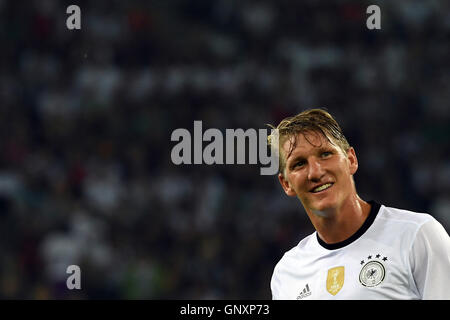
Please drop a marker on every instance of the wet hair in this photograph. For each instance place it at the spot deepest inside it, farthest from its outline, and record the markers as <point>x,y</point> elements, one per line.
<point>311,120</point>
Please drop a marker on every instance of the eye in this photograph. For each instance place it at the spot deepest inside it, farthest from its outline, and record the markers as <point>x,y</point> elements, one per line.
<point>326,154</point>
<point>299,164</point>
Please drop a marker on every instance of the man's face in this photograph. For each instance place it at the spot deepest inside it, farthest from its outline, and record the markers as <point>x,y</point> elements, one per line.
<point>318,172</point>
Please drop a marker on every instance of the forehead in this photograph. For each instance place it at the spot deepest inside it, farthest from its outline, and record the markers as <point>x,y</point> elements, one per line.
<point>304,142</point>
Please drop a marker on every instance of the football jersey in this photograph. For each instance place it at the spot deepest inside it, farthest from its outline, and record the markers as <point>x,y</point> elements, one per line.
<point>395,254</point>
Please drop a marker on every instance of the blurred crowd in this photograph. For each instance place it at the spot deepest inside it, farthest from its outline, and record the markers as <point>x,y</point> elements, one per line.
<point>86,118</point>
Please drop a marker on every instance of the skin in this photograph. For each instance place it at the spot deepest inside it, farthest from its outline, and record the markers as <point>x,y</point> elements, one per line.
<point>337,212</point>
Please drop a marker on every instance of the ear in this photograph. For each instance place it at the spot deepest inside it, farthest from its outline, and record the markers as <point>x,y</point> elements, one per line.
<point>286,185</point>
<point>353,160</point>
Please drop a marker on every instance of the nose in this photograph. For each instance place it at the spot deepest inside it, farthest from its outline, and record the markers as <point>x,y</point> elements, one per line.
<point>315,171</point>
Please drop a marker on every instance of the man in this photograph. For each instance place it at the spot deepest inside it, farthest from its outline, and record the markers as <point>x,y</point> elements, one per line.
<point>361,249</point>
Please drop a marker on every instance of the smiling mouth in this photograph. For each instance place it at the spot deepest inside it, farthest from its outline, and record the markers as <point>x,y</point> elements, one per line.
<point>322,188</point>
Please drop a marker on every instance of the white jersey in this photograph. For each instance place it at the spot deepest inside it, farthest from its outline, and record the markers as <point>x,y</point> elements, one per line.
<point>396,254</point>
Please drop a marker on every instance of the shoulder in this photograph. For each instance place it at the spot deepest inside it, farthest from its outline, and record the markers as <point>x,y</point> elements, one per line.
<point>431,232</point>
<point>405,218</point>
<point>291,261</point>
<point>295,254</point>
<point>404,226</point>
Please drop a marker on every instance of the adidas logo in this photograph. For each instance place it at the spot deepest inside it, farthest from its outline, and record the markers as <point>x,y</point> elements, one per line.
<point>305,293</point>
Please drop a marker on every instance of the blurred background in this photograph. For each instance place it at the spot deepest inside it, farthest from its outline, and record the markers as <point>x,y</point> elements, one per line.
<point>86,118</point>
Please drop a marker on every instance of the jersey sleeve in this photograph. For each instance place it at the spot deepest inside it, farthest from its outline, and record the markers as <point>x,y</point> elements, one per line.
<point>430,261</point>
<point>275,285</point>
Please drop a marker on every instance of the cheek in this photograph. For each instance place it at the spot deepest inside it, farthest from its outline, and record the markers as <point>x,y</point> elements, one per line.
<point>297,182</point>
<point>345,175</point>
<point>344,167</point>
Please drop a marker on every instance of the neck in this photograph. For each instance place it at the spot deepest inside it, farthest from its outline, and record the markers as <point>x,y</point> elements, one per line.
<point>338,224</point>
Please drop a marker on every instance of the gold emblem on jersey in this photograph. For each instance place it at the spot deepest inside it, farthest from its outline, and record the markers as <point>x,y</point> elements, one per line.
<point>335,280</point>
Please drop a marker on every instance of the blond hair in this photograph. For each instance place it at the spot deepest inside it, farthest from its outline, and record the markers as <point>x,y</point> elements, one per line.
<point>312,120</point>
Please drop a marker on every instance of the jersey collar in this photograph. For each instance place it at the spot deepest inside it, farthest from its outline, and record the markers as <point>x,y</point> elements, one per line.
<point>374,208</point>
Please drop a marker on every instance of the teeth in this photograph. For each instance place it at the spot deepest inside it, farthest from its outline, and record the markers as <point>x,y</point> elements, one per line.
<point>322,187</point>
